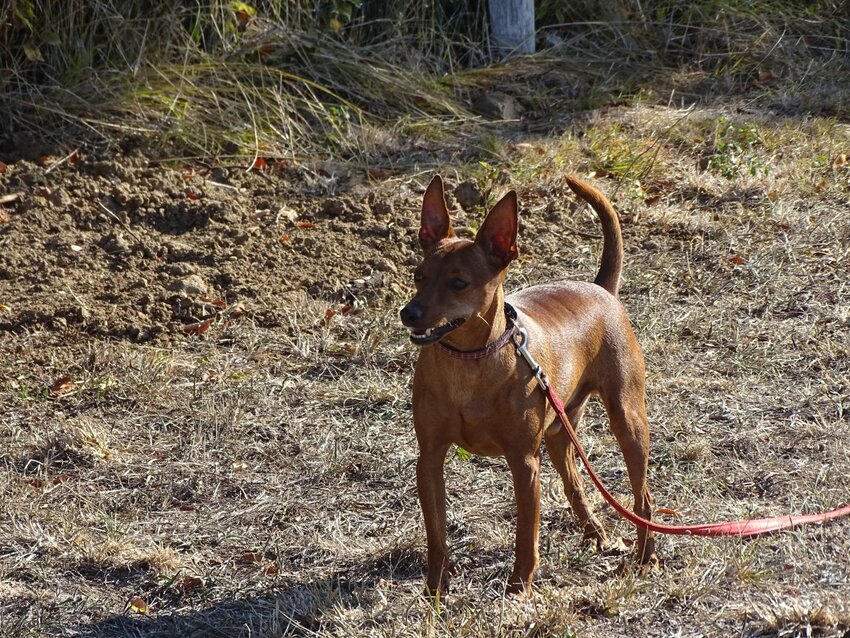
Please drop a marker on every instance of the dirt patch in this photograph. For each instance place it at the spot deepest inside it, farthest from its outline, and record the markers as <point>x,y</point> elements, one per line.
<point>132,249</point>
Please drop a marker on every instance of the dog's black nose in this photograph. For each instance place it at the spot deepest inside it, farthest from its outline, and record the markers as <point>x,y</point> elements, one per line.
<point>411,313</point>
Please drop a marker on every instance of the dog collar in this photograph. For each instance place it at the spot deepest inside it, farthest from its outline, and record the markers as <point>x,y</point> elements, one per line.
<point>498,344</point>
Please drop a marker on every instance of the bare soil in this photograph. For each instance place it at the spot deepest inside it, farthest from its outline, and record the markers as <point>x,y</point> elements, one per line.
<point>205,426</point>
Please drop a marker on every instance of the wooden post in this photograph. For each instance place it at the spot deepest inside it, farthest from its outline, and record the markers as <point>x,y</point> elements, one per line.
<point>511,26</point>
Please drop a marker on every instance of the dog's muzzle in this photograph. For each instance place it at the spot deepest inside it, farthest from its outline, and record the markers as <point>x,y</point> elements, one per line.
<point>432,335</point>
<point>412,314</point>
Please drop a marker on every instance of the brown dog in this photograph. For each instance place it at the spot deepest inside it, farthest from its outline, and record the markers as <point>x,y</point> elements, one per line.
<point>470,391</point>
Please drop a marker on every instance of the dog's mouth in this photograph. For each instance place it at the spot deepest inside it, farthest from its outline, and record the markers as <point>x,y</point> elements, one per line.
<point>432,335</point>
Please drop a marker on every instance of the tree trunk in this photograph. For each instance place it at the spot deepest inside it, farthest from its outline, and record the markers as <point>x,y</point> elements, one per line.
<point>511,26</point>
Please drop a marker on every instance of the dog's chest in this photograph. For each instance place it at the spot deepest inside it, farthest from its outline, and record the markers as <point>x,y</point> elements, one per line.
<point>476,430</point>
<point>480,422</point>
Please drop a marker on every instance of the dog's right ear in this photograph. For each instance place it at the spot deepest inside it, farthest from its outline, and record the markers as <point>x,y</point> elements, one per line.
<point>435,224</point>
<point>497,235</point>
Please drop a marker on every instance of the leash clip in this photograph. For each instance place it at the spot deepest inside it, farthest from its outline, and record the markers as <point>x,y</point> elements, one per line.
<point>521,345</point>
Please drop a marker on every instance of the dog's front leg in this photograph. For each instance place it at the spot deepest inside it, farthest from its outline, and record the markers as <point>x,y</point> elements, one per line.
<point>526,475</point>
<point>431,484</point>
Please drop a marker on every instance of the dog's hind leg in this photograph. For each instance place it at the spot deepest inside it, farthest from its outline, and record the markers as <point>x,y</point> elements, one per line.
<point>627,414</point>
<point>562,453</point>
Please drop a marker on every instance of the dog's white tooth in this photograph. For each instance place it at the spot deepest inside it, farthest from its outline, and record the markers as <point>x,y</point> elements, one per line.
<point>428,332</point>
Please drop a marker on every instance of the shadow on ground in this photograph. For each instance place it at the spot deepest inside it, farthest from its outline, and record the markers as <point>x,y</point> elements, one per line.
<point>293,610</point>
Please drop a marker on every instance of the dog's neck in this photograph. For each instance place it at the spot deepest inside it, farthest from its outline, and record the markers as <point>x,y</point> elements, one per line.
<point>482,329</point>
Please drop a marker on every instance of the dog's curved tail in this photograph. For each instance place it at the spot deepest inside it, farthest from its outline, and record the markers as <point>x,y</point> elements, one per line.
<point>611,265</point>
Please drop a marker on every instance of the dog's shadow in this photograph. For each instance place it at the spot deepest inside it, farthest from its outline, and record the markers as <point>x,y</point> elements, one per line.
<point>294,608</point>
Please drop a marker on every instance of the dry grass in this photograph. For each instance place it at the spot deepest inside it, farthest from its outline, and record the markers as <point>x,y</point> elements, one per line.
<point>260,483</point>
<point>392,78</point>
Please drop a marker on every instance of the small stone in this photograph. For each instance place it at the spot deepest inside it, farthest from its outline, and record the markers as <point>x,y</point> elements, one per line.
<point>178,251</point>
<point>382,209</point>
<point>333,207</point>
<point>60,198</point>
<point>380,230</point>
<point>115,244</point>
<point>191,286</point>
<point>469,195</point>
<point>385,266</point>
<point>496,106</point>
<point>287,214</point>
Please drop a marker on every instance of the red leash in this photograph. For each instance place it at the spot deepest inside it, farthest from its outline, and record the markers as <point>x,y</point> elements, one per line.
<point>752,527</point>
<point>744,528</point>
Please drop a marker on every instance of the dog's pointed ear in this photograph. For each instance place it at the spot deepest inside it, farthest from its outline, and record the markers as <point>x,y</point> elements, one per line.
<point>435,224</point>
<point>497,235</point>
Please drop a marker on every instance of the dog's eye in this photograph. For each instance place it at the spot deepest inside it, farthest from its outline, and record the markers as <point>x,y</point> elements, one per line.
<point>459,284</point>
<point>418,276</point>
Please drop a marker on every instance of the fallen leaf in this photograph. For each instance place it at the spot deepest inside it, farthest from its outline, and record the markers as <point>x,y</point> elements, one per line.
<point>5,218</point>
<point>284,239</point>
<point>667,511</point>
<point>218,303</point>
<point>198,328</point>
<point>186,507</point>
<point>329,314</point>
<point>258,164</point>
<point>2,167</point>
<point>63,385</point>
<point>306,225</point>
<point>839,162</point>
<point>190,583</point>
<point>773,196</point>
<point>737,260</point>
<point>193,196</point>
<point>138,606</point>
<point>272,570</point>
<point>33,53</point>
<point>252,557</point>
<point>649,201</point>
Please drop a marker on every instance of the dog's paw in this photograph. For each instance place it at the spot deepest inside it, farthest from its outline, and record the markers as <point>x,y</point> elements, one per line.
<point>616,547</point>
<point>647,566</point>
<point>594,536</point>
<point>518,588</point>
<point>436,591</point>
